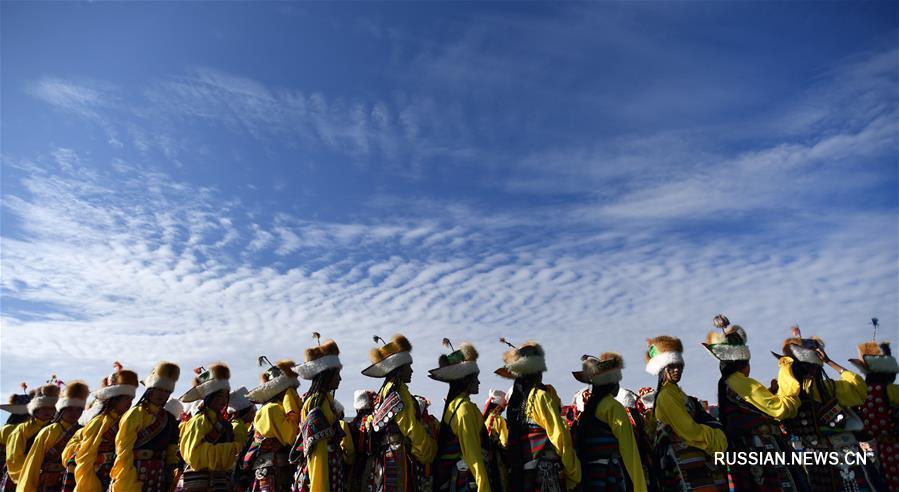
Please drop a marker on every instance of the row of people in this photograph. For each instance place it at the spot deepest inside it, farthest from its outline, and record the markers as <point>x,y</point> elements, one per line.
<point>660,440</point>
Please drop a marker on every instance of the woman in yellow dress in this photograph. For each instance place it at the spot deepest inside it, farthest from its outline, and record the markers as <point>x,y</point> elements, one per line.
<point>687,437</point>
<point>318,451</point>
<point>17,406</point>
<point>44,468</point>
<point>41,409</point>
<point>209,443</point>
<point>400,446</point>
<point>147,441</point>
<point>541,453</point>
<point>460,464</point>
<point>95,454</point>
<point>604,438</point>
<point>266,465</point>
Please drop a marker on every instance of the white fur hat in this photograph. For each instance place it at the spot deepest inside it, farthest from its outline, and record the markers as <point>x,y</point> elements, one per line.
<point>207,382</point>
<point>278,378</point>
<point>663,351</point>
<point>522,361</point>
<point>389,357</point>
<point>321,358</point>
<point>605,369</point>
<point>456,365</point>
<point>362,399</point>
<point>174,407</point>
<point>239,400</point>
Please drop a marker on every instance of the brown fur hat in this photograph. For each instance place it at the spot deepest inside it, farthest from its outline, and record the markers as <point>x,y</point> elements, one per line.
<point>529,358</point>
<point>75,395</point>
<point>286,366</point>
<point>398,343</point>
<point>44,396</point>
<point>216,371</point>
<point>663,351</point>
<point>876,357</point>
<point>329,347</point>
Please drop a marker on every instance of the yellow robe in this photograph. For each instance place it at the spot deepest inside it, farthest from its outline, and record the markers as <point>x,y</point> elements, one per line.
<point>424,447</point>
<point>612,413</point>
<point>893,394</point>
<point>780,406</point>
<point>497,424</point>
<point>851,390</point>
<point>205,456</point>
<point>87,458</point>
<point>546,412</point>
<point>5,432</point>
<point>137,418</point>
<point>29,478</point>
<point>346,444</point>
<point>317,460</point>
<point>280,420</point>
<point>16,443</point>
<point>671,409</point>
<point>71,449</point>
<point>466,423</point>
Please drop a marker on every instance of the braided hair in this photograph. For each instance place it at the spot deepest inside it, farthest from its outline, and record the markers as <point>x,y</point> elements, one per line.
<point>727,367</point>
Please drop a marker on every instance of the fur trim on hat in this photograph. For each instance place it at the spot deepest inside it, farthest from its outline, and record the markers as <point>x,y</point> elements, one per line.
<point>17,404</point>
<point>208,382</point>
<point>339,410</point>
<point>75,395</point>
<point>239,400</point>
<point>164,376</point>
<point>875,357</point>
<point>626,397</point>
<point>398,344</point>
<point>605,369</point>
<point>45,396</point>
<point>383,368</point>
<point>793,347</point>
<point>362,400</point>
<point>457,365</point>
<point>722,346</point>
<point>525,360</point>
<point>273,386</point>
<point>668,350</point>
<point>320,359</point>
<point>174,407</point>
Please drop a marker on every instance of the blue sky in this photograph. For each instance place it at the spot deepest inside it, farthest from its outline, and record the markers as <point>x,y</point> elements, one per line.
<point>214,181</point>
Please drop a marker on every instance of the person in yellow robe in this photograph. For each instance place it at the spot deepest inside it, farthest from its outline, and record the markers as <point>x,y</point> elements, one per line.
<point>400,445</point>
<point>318,453</point>
<point>604,438</point>
<point>497,438</point>
<point>266,465</point>
<point>825,420</point>
<point>209,443</point>
<point>460,464</point>
<point>17,406</point>
<point>41,408</point>
<point>879,412</point>
<point>147,441</point>
<point>751,413</point>
<point>687,437</point>
<point>541,452</point>
<point>96,449</point>
<point>44,468</point>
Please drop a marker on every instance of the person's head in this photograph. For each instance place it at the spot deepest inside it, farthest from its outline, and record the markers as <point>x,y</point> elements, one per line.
<point>118,404</point>
<point>70,415</point>
<point>880,378</point>
<point>217,401</point>
<point>43,413</point>
<point>728,367</point>
<point>157,396</point>
<point>673,373</point>
<point>474,384</point>
<point>43,404</point>
<point>806,370</point>
<point>334,379</point>
<point>403,373</point>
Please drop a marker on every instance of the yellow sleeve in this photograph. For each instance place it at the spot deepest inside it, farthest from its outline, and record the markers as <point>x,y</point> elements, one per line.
<point>893,394</point>
<point>346,444</point>
<point>851,389</point>
<point>670,409</point>
<point>424,447</point>
<point>86,479</point>
<point>293,406</point>
<point>467,426</point>
<point>202,455</point>
<point>271,421</point>
<point>124,474</point>
<point>71,448</point>
<point>31,469</point>
<point>612,413</point>
<point>317,460</point>
<point>241,431</point>
<point>15,448</point>
<point>779,406</point>
<point>503,430</point>
<point>5,432</point>
<point>547,415</point>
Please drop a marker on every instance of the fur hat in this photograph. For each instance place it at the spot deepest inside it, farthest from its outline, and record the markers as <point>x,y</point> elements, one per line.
<point>605,369</point>
<point>663,351</point>
<point>75,395</point>
<point>174,407</point>
<point>579,401</point>
<point>875,357</point>
<point>208,381</point>
<point>163,376</point>
<point>239,400</point>
<point>522,361</point>
<point>456,365</point>
<point>17,404</point>
<point>363,400</point>
<point>627,398</point>
<point>122,382</point>
<point>276,379</point>
<point>44,396</point>
<point>321,358</point>
<point>388,357</point>
<point>803,349</point>
<point>496,397</point>
<point>728,342</point>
